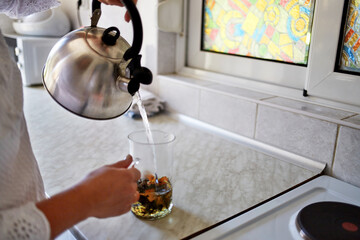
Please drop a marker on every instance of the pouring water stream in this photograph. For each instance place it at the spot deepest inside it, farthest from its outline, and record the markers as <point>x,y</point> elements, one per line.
<point>149,135</point>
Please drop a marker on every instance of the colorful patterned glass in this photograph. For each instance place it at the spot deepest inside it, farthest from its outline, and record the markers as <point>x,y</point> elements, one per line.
<point>350,52</point>
<point>268,29</point>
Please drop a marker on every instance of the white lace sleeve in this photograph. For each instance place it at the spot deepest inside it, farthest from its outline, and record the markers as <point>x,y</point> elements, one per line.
<point>24,222</point>
<point>22,8</point>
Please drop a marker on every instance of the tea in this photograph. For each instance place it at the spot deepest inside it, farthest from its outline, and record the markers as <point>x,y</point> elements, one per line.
<point>155,198</point>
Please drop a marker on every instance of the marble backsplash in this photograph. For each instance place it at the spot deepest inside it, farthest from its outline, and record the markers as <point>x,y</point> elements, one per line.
<point>324,134</point>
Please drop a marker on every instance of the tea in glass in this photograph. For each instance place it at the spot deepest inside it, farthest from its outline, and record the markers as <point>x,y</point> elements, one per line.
<point>155,164</point>
<point>155,198</point>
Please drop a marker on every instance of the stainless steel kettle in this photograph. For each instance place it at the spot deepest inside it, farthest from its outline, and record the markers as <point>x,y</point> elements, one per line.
<point>93,72</point>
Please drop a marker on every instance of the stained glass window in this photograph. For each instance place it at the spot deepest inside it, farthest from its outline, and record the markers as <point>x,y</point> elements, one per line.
<point>276,30</point>
<point>349,59</point>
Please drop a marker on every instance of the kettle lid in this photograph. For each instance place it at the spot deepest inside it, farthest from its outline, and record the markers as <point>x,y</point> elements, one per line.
<point>107,42</point>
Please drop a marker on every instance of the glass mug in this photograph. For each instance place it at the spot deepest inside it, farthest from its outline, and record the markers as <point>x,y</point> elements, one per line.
<point>154,153</point>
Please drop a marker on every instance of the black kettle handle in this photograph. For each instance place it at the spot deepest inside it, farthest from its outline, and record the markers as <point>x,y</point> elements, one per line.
<point>135,48</point>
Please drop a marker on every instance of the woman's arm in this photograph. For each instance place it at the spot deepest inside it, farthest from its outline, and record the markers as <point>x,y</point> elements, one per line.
<point>106,192</point>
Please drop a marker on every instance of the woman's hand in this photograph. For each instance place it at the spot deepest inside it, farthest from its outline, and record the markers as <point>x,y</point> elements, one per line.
<point>110,190</point>
<point>118,3</point>
<point>106,192</point>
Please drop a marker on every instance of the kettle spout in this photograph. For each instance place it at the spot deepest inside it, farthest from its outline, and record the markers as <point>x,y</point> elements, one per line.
<point>141,75</point>
<point>138,74</point>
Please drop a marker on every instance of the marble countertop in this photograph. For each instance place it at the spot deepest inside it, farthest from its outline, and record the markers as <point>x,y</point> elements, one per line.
<point>214,178</point>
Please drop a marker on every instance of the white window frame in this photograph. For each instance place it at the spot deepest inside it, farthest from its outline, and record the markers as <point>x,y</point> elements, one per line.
<point>324,86</point>
<point>322,81</point>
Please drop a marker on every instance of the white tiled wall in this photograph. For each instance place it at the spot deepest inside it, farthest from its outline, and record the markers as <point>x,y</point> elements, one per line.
<point>183,98</point>
<point>347,157</point>
<point>221,110</point>
<point>320,133</point>
<point>296,133</point>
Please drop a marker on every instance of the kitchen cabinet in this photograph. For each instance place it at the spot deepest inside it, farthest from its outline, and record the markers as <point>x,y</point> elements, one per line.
<point>30,53</point>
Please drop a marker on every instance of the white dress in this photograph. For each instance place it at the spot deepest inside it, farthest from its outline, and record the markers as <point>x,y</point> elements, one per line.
<point>20,180</point>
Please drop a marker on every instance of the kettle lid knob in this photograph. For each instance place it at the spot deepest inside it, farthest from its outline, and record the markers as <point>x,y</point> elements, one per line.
<point>109,38</point>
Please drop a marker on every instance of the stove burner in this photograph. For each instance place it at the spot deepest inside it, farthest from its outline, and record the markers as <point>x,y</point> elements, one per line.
<point>330,221</point>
